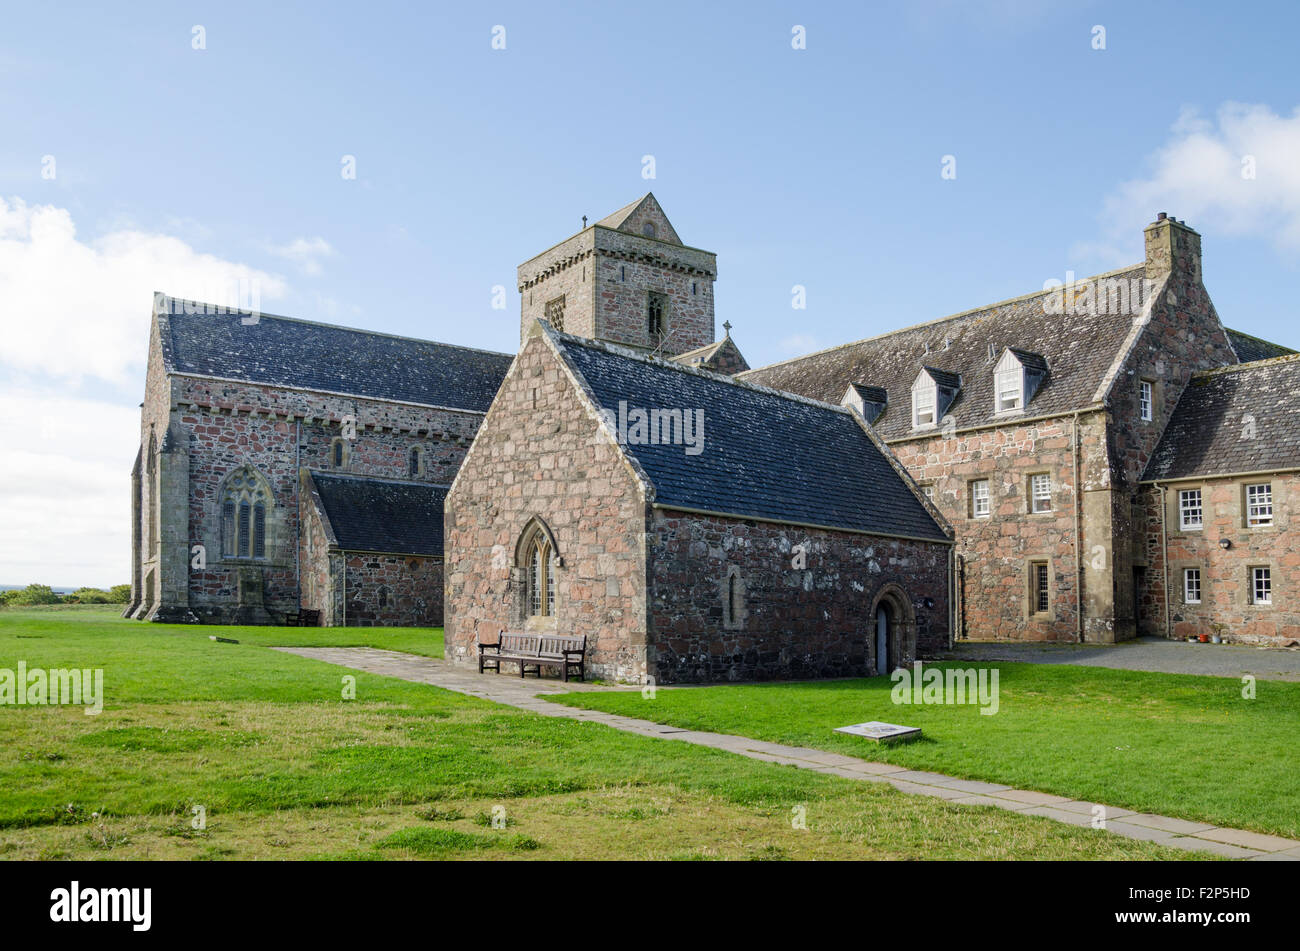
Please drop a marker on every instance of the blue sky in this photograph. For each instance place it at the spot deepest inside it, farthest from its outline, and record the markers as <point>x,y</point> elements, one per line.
<point>178,167</point>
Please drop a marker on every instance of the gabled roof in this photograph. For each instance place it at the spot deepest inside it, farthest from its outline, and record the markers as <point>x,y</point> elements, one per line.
<point>943,378</point>
<point>1238,419</point>
<point>718,355</point>
<point>380,515</point>
<point>1030,361</point>
<point>765,454</point>
<point>870,394</point>
<point>630,217</point>
<point>282,351</point>
<point>1080,348</point>
<point>1249,349</point>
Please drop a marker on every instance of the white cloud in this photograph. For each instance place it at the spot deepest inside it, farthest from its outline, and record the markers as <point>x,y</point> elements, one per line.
<point>799,344</point>
<point>1197,176</point>
<point>65,480</point>
<point>74,309</point>
<point>73,312</point>
<point>304,252</point>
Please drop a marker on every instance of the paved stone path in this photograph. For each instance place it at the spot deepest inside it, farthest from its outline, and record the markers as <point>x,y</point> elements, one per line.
<point>1153,654</point>
<point>528,694</point>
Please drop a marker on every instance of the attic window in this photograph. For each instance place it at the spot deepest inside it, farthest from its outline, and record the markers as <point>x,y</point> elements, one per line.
<point>1011,389</point>
<point>1015,378</point>
<point>648,229</point>
<point>923,398</point>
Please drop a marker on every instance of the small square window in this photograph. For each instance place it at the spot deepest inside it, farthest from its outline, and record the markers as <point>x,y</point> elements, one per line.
<point>979,499</point>
<point>1146,400</point>
<point>1040,493</point>
<point>1261,585</point>
<point>1192,586</point>
<point>1259,504</point>
<point>1190,513</point>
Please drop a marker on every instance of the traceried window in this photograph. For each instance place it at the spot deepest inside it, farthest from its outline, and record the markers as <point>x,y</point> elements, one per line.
<point>1261,585</point>
<point>244,503</point>
<point>1190,512</point>
<point>1146,400</point>
<point>555,312</point>
<point>541,577</point>
<point>1192,585</point>
<point>1259,504</point>
<point>1040,493</point>
<point>980,505</point>
<point>657,314</point>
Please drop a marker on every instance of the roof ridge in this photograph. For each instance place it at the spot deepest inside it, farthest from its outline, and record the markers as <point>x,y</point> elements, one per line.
<point>630,354</point>
<point>219,310</point>
<point>1251,365</point>
<point>940,320</point>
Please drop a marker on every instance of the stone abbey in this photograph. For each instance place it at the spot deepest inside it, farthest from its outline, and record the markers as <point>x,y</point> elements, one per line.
<point>1047,468</point>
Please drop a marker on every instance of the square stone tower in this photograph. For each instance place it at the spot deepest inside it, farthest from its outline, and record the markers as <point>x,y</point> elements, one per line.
<point>627,279</point>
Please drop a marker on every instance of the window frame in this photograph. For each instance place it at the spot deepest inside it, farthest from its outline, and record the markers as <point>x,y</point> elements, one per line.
<point>1000,389</point>
<point>1183,508</point>
<point>1146,400</point>
<point>1188,582</point>
<point>1035,496</point>
<point>932,392</point>
<point>1258,573</point>
<point>656,323</point>
<point>1040,587</point>
<point>975,498</point>
<point>1252,519</point>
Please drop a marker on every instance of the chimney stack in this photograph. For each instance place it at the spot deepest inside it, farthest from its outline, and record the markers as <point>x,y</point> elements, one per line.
<point>1173,247</point>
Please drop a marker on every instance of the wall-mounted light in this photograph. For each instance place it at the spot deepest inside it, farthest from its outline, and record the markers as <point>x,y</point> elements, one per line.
<point>1225,544</point>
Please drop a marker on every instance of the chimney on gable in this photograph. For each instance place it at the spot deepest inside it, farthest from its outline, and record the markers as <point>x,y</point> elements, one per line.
<point>1172,247</point>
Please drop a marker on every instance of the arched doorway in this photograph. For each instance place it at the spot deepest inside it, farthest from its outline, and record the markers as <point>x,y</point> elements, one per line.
<point>886,630</point>
<point>892,638</point>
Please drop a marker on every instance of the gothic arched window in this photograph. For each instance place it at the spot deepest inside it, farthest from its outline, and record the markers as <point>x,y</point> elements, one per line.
<point>244,501</point>
<point>338,453</point>
<point>414,462</point>
<point>537,557</point>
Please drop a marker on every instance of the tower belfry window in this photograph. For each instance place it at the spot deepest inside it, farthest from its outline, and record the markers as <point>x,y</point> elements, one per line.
<point>656,314</point>
<point>555,312</point>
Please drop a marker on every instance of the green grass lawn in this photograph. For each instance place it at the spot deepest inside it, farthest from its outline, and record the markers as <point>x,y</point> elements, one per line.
<point>284,767</point>
<point>1173,744</point>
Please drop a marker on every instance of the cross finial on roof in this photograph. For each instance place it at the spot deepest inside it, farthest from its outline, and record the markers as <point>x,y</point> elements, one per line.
<point>726,325</point>
<point>584,222</point>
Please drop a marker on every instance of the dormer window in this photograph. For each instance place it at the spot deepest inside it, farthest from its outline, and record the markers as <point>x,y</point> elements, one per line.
<point>1011,389</point>
<point>868,401</point>
<point>1015,378</point>
<point>933,392</point>
<point>923,400</point>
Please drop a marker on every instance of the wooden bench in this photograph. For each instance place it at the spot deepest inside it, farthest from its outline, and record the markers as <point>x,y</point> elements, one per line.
<point>535,650</point>
<point>303,618</point>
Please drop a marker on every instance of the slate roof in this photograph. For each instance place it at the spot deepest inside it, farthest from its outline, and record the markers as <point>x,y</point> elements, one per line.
<point>382,515</point>
<point>765,455</point>
<point>1079,348</point>
<point>282,351</point>
<point>1250,349</point>
<point>1210,432</point>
